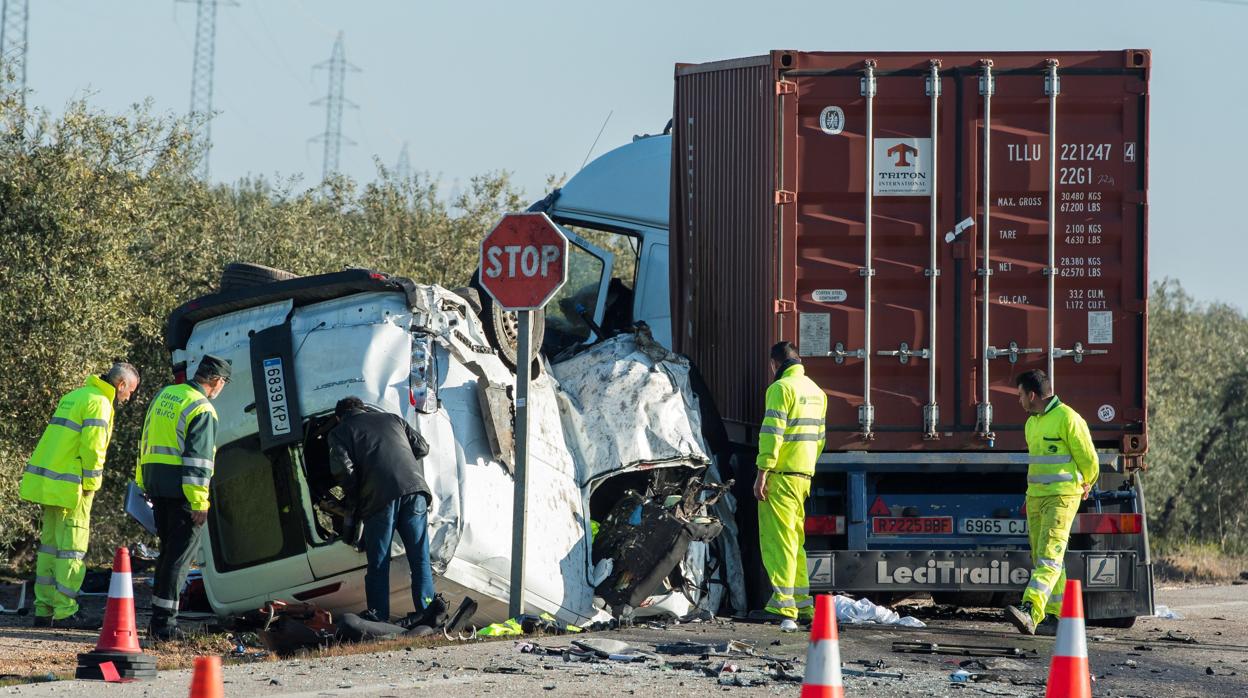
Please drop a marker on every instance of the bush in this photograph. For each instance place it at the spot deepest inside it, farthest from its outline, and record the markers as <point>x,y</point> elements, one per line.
<point>106,230</point>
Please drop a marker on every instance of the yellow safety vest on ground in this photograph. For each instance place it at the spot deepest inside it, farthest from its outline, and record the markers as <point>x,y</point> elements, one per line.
<point>69,458</point>
<point>1059,431</point>
<point>792,434</point>
<point>170,466</point>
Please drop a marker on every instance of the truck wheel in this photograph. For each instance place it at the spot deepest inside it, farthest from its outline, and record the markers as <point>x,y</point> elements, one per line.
<point>246,275</point>
<point>1122,623</point>
<point>502,328</point>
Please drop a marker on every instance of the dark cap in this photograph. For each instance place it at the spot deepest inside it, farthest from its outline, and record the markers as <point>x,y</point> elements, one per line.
<point>210,366</point>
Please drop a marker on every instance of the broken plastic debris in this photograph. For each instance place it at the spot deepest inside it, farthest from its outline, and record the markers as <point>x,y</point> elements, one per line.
<point>687,647</point>
<point>1166,613</point>
<point>602,570</point>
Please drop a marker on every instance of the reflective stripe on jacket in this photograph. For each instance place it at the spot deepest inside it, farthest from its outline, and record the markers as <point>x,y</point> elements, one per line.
<point>173,462</point>
<point>1060,431</point>
<point>792,435</point>
<point>69,458</point>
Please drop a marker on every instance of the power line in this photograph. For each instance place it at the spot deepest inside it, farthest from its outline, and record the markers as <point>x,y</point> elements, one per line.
<point>14,32</point>
<point>201,75</point>
<point>334,101</point>
<point>403,170</point>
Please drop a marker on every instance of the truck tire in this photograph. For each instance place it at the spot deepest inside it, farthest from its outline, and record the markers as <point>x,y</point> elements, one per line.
<point>502,328</point>
<point>246,275</point>
<point>1122,623</point>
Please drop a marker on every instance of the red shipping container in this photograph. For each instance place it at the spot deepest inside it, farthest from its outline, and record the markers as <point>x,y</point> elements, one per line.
<point>773,160</point>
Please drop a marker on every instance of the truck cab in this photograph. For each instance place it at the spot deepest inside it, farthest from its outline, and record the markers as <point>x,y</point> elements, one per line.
<point>614,211</point>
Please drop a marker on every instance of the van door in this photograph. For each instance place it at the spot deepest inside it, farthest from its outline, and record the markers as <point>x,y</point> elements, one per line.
<point>256,541</point>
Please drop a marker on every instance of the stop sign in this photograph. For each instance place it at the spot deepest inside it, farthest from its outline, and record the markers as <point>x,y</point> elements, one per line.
<point>524,261</point>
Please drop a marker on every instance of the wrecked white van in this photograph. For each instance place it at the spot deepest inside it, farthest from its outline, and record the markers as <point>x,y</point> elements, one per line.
<point>615,426</point>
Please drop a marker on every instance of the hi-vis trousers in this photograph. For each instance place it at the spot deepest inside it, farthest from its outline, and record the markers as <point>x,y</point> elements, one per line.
<point>782,541</point>
<point>1048,526</point>
<point>59,565</point>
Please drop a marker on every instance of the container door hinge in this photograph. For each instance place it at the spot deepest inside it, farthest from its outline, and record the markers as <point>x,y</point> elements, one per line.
<point>1013,352</point>
<point>784,196</point>
<point>1078,352</point>
<point>786,87</point>
<point>785,306</point>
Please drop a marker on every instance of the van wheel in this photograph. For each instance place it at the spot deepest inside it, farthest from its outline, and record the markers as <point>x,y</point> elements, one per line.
<point>247,275</point>
<point>502,328</point>
<point>1122,623</point>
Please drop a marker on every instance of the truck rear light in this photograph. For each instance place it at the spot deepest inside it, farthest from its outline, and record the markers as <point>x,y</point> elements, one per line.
<point>825,525</point>
<point>319,591</point>
<point>1108,523</point>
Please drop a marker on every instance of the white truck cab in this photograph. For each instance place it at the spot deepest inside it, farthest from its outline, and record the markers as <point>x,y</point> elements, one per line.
<point>621,198</point>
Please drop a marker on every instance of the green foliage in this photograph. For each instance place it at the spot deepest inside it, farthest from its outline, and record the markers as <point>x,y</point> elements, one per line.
<point>105,230</point>
<point>1198,420</point>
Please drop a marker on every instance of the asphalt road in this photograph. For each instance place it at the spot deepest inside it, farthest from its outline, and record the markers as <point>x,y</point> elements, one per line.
<point>1135,662</point>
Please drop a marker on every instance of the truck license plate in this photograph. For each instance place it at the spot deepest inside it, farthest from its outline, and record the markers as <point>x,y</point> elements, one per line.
<point>993,527</point>
<point>911,525</point>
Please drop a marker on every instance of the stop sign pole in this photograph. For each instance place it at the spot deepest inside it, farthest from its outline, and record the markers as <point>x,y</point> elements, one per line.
<point>524,262</point>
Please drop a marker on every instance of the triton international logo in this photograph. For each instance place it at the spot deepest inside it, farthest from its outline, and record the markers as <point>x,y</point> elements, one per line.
<point>903,167</point>
<point>899,153</point>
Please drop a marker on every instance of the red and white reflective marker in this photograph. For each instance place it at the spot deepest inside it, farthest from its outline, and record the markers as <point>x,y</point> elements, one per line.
<point>524,261</point>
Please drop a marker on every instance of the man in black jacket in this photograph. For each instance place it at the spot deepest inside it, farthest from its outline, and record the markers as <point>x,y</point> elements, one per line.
<point>377,457</point>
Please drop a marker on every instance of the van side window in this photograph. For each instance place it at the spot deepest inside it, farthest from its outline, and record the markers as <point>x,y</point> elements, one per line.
<point>254,504</point>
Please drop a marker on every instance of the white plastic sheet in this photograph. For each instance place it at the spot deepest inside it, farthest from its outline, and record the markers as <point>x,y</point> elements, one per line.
<point>864,611</point>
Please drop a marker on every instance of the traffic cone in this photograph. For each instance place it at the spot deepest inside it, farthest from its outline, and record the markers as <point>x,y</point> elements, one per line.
<point>1068,670</point>
<point>119,633</point>
<point>119,638</point>
<point>823,659</point>
<point>206,682</point>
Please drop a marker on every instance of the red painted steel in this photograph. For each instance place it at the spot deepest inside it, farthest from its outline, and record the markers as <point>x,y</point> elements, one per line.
<point>524,261</point>
<point>768,232</point>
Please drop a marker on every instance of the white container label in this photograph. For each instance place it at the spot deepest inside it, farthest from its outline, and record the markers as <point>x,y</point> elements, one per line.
<point>829,295</point>
<point>1101,327</point>
<point>814,334</point>
<point>903,166</point>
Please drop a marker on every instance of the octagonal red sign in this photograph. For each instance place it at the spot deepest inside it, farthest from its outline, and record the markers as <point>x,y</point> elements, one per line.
<point>524,261</point>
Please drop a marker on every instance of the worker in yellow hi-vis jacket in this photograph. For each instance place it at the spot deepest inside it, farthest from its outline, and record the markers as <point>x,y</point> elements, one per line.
<point>1055,485</point>
<point>63,473</point>
<point>789,444</point>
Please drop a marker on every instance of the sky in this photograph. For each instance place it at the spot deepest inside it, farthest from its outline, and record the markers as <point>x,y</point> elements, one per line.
<point>477,86</point>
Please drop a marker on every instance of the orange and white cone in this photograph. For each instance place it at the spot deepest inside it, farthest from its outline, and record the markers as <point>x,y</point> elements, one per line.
<point>206,681</point>
<point>119,633</point>
<point>117,655</point>
<point>1068,670</point>
<point>823,659</point>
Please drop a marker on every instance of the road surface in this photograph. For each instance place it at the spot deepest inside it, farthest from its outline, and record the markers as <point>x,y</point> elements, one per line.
<point>1135,662</point>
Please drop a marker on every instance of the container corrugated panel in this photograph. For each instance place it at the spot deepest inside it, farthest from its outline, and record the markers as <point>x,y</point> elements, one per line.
<point>770,194</point>
<point>727,231</point>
